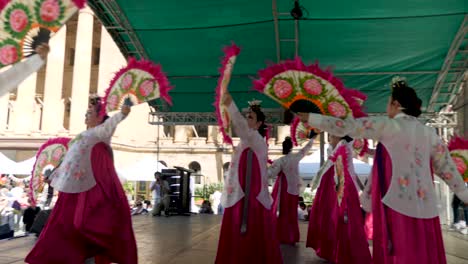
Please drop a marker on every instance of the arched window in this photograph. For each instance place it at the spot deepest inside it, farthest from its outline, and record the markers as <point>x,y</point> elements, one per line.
<point>195,166</point>
<point>226,166</point>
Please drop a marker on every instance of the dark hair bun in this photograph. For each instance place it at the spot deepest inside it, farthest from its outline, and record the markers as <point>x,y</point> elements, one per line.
<point>347,138</point>
<point>407,98</point>
<point>263,129</point>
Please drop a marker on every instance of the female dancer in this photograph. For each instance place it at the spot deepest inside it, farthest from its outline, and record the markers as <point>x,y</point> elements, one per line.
<point>286,191</point>
<point>92,215</point>
<point>404,204</point>
<point>248,233</point>
<point>336,225</point>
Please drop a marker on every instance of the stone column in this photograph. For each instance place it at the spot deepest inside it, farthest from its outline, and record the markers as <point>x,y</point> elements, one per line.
<point>211,135</point>
<point>23,114</point>
<point>52,117</point>
<point>81,71</point>
<point>283,132</point>
<point>180,135</point>
<point>110,61</point>
<point>4,108</point>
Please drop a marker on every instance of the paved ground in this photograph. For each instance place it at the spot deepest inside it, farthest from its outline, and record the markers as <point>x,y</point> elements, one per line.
<point>182,239</point>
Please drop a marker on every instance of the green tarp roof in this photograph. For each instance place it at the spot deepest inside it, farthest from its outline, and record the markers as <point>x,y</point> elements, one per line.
<point>366,42</point>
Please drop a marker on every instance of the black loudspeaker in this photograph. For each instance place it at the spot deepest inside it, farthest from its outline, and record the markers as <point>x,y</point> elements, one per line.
<point>179,182</point>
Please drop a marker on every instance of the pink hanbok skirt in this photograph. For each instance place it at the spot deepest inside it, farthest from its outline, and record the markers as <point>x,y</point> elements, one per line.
<point>287,226</point>
<point>412,240</point>
<point>95,223</point>
<point>260,243</point>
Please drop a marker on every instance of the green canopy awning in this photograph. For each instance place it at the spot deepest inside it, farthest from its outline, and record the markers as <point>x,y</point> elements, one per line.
<point>366,42</point>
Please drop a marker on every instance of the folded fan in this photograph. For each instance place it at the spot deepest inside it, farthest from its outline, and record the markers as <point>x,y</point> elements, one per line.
<point>458,148</point>
<point>360,147</point>
<point>301,132</point>
<point>309,89</point>
<point>224,120</point>
<point>49,157</point>
<point>139,82</point>
<point>25,24</point>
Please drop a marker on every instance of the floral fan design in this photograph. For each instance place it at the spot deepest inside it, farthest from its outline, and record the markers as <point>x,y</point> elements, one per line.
<point>459,151</point>
<point>224,120</point>
<point>360,147</point>
<point>49,157</point>
<point>25,24</point>
<point>342,171</point>
<point>300,132</point>
<point>308,88</point>
<point>139,82</point>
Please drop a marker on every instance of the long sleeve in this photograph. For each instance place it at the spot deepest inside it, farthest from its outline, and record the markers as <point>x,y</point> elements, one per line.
<point>445,168</point>
<point>275,168</point>
<point>318,177</point>
<point>12,77</point>
<point>306,148</point>
<point>106,130</point>
<point>367,127</point>
<point>238,121</point>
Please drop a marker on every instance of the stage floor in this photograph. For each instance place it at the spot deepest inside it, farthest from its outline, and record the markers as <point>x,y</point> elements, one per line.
<point>194,239</point>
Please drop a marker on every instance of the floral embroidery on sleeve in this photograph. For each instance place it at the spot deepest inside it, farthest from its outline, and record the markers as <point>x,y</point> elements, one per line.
<point>339,123</point>
<point>367,124</point>
<point>403,181</point>
<point>422,193</point>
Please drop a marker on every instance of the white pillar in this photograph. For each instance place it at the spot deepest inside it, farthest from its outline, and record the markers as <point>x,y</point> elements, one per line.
<point>283,132</point>
<point>81,71</point>
<point>4,112</point>
<point>212,134</point>
<point>110,61</point>
<point>180,135</point>
<point>23,115</point>
<point>53,111</point>
<point>4,107</point>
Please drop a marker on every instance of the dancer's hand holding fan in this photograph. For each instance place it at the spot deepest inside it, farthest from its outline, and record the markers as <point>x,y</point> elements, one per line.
<point>139,82</point>
<point>27,24</point>
<point>301,132</point>
<point>224,120</point>
<point>302,88</point>
<point>360,147</point>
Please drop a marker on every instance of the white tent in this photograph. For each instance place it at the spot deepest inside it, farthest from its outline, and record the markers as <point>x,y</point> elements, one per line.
<point>8,166</point>
<point>24,167</point>
<point>309,166</point>
<point>142,170</point>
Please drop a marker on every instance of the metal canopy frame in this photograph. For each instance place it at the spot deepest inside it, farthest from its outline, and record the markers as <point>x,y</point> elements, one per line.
<point>450,80</point>
<point>457,68</point>
<point>116,23</point>
<point>274,116</point>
